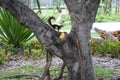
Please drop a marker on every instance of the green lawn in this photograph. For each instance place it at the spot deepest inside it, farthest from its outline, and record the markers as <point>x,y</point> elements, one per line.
<point>31,70</point>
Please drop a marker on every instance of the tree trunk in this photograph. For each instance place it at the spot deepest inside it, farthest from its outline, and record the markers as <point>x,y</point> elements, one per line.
<point>82,17</point>
<point>117,6</point>
<point>74,48</point>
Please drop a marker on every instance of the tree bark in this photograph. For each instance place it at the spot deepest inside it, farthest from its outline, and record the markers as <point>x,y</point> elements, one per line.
<point>82,17</point>
<point>74,49</point>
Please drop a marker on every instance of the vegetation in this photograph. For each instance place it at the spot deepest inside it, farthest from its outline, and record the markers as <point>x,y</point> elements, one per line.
<point>31,49</point>
<point>3,57</point>
<point>108,18</point>
<point>111,47</point>
<point>103,72</point>
<point>12,31</point>
<point>35,70</point>
<point>34,50</point>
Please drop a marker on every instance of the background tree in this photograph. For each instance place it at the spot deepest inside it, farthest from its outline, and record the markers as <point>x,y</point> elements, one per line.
<point>57,4</point>
<point>117,10</point>
<point>74,48</point>
<point>107,5</point>
<point>38,4</point>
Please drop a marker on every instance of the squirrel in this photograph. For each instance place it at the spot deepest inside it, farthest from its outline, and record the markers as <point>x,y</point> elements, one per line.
<point>54,26</point>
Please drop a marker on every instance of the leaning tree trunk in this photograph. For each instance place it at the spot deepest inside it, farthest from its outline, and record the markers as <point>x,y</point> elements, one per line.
<point>74,48</point>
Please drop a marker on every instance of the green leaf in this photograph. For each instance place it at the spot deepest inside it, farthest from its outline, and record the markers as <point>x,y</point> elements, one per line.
<point>11,31</point>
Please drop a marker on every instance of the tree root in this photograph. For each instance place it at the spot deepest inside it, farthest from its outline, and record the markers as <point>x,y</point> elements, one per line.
<point>46,70</point>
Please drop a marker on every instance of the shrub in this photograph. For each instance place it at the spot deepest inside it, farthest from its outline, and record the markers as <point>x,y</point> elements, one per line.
<point>114,48</point>
<point>3,57</point>
<point>11,31</point>
<point>34,49</point>
<point>106,47</point>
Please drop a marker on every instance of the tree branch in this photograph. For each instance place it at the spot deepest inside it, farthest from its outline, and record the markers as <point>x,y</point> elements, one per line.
<point>45,34</point>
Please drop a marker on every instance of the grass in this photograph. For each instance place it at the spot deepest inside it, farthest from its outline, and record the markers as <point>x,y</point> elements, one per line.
<point>29,70</point>
<point>94,35</point>
<point>35,70</point>
<point>103,72</point>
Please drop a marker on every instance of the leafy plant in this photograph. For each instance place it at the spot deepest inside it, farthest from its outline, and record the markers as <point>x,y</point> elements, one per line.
<point>103,48</point>
<point>11,31</point>
<point>106,47</point>
<point>34,50</point>
<point>114,48</point>
<point>3,57</point>
<point>94,46</point>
